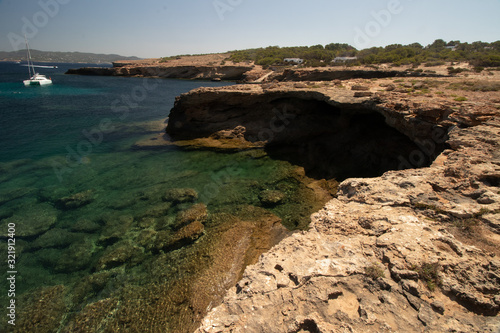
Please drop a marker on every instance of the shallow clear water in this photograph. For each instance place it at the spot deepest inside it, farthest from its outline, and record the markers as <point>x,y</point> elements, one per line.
<point>77,189</point>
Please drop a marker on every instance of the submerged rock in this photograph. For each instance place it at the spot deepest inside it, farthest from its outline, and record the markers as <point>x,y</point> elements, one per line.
<point>76,257</point>
<point>58,238</point>
<point>52,193</point>
<point>85,225</point>
<point>115,228</point>
<point>180,195</point>
<point>7,195</point>
<point>124,253</point>
<point>45,306</point>
<point>166,241</point>
<point>271,197</point>
<point>158,210</point>
<point>31,221</point>
<point>90,285</point>
<point>146,238</point>
<point>76,200</point>
<point>196,213</point>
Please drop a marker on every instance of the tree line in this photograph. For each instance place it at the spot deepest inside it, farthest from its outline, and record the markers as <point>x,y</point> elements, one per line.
<point>478,54</point>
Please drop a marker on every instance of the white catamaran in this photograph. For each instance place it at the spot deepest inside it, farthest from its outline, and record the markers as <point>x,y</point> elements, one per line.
<point>35,78</point>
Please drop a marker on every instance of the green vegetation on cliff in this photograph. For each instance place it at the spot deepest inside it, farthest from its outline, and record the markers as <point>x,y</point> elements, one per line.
<point>479,54</point>
<point>313,55</point>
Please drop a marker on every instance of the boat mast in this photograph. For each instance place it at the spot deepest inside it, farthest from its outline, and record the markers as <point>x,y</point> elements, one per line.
<point>30,64</point>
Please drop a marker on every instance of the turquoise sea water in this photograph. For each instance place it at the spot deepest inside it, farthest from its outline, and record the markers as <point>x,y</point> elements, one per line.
<point>84,200</point>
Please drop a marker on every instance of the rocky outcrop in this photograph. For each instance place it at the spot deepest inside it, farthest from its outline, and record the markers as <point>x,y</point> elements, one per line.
<point>167,72</point>
<point>196,68</point>
<point>409,250</point>
<point>94,71</point>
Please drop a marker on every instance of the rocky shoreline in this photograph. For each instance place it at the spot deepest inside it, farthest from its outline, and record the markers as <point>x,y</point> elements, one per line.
<point>218,67</point>
<point>229,73</point>
<point>248,73</point>
<point>413,249</point>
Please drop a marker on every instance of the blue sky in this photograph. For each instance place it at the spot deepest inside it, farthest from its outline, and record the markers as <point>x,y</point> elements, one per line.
<point>154,28</point>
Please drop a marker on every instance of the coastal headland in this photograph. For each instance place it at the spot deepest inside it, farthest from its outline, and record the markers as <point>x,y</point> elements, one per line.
<point>219,67</point>
<point>409,241</point>
<point>414,248</point>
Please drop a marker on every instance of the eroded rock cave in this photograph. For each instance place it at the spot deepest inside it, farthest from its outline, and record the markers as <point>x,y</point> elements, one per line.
<point>333,142</point>
<point>328,138</point>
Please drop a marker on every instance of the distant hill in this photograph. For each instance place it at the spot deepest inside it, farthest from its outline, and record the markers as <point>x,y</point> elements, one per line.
<point>47,56</point>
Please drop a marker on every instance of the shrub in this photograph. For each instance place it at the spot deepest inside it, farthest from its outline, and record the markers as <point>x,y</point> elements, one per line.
<point>268,61</point>
<point>434,63</point>
<point>466,226</point>
<point>461,99</point>
<point>374,271</point>
<point>453,70</point>
<point>429,273</point>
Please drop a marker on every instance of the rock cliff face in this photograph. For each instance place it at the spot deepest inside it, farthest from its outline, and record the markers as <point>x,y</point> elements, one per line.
<point>409,250</point>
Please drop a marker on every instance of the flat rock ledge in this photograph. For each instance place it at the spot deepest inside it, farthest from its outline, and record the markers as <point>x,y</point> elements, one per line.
<point>414,250</point>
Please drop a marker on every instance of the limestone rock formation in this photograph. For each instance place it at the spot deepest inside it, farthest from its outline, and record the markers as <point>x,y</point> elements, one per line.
<point>414,249</point>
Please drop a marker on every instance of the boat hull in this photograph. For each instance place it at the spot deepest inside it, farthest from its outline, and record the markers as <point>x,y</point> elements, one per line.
<point>37,82</point>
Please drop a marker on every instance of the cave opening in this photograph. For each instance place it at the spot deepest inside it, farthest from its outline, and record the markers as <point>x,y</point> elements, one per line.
<point>339,143</point>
